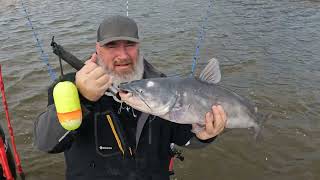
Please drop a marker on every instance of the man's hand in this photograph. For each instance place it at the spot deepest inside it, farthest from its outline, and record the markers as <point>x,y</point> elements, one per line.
<point>215,123</point>
<point>92,80</point>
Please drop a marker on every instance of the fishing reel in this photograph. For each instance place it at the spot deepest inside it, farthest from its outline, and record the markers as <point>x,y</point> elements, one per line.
<point>176,153</point>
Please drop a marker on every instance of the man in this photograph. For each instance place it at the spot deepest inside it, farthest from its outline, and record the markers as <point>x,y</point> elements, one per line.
<point>115,141</point>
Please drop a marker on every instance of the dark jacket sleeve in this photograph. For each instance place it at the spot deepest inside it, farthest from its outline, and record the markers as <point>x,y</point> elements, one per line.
<point>183,136</point>
<point>49,135</point>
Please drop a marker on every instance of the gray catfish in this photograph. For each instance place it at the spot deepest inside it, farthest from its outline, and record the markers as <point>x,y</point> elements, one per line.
<point>187,100</point>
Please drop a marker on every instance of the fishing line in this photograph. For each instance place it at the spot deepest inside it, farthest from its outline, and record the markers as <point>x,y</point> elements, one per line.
<point>127,5</point>
<point>43,55</point>
<point>201,37</point>
<point>120,109</point>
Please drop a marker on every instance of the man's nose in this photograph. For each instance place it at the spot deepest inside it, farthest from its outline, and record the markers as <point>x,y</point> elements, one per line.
<point>122,52</point>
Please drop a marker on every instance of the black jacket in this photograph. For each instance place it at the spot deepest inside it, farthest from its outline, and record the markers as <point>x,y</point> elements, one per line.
<point>112,142</point>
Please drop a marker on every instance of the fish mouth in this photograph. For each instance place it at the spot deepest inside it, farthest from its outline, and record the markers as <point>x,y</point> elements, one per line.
<point>128,90</point>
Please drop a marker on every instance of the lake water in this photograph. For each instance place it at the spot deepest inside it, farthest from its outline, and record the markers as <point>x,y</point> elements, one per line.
<point>269,52</point>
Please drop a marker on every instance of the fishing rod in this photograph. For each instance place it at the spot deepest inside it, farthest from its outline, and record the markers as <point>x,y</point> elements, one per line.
<point>6,109</point>
<point>4,161</point>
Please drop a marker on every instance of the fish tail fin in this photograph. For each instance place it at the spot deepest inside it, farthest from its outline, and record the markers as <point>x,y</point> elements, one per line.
<point>257,133</point>
<point>258,128</point>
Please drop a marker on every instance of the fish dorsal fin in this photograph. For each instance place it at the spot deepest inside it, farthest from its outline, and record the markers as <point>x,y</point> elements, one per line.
<point>211,73</point>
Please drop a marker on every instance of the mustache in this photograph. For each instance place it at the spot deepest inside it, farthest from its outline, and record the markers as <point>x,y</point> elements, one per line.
<point>118,62</point>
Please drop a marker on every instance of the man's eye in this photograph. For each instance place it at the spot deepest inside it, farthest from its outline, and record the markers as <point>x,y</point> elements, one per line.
<point>131,44</point>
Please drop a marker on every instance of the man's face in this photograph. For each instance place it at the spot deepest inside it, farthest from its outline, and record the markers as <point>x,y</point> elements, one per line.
<point>119,57</point>
<point>121,60</point>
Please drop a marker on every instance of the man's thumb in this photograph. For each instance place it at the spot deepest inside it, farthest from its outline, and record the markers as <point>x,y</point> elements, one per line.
<point>93,58</point>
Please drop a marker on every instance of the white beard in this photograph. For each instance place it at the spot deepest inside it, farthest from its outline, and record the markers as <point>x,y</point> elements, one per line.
<point>117,78</point>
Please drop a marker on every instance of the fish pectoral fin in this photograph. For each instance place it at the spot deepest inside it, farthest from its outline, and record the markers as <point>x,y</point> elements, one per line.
<point>211,73</point>
<point>178,112</point>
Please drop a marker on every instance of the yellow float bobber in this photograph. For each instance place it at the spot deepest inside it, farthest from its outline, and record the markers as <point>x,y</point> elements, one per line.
<point>67,102</point>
